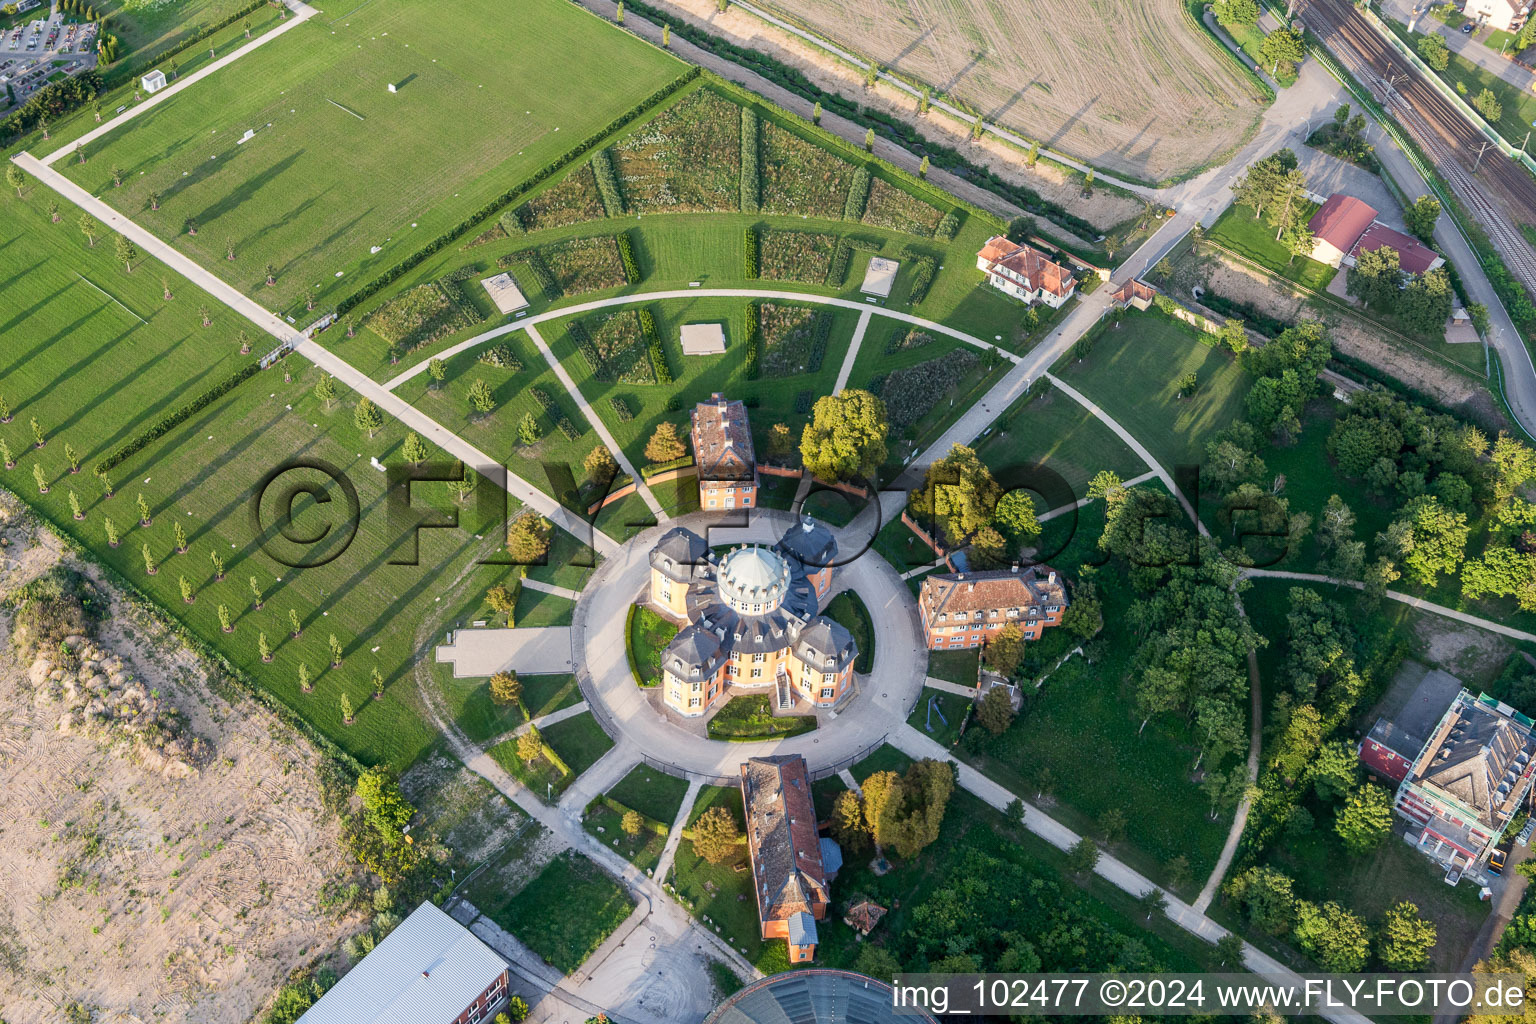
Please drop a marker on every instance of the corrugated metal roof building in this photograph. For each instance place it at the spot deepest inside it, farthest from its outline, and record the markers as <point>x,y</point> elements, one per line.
<point>429,970</point>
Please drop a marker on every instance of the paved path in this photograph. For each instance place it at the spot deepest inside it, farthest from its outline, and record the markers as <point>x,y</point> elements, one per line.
<point>853,352</point>
<point>1472,48</point>
<point>534,651</point>
<point>679,822</point>
<point>302,12</point>
<point>596,421</point>
<point>1408,599</point>
<point>150,246</point>
<point>959,689</point>
<point>851,782</point>
<point>914,744</point>
<point>604,774</point>
<point>562,312</point>
<point>550,588</point>
<point>541,722</point>
<point>1062,510</point>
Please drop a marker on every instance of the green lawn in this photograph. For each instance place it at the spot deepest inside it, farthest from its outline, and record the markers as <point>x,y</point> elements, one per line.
<point>1240,231</point>
<point>653,793</point>
<point>942,724</point>
<point>1059,434</point>
<point>647,635</point>
<point>849,611</point>
<point>750,717</point>
<point>339,165</point>
<point>579,741</point>
<point>1251,38</point>
<point>566,912</point>
<point>905,550</point>
<point>607,825</point>
<point>481,719</point>
<point>1131,372</point>
<point>955,666</point>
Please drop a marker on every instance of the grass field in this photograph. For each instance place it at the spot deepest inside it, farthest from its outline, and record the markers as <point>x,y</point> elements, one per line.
<point>943,723</point>
<point>1059,434</point>
<point>1240,231</point>
<point>653,793</point>
<point>848,610</point>
<point>481,719</point>
<point>1131,371</point>
<point>338,165</point>
<point>1177,100</point>
<point>566,911</point>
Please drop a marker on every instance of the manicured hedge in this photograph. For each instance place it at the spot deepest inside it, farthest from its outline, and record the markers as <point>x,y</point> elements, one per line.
<point>175,418</point>
<point>654,346</point>
<point>554,412</point>
<point>948,227</point>
<point>858,195</point>
<point>621,408</point>
<point>754,340</point>
<point>837,270</point>
<point>661,467</point>
<point>516,191</point>
<point>542,275</point>
<point>751,174</point>
<point>749,248</point>
<point>607,183</point>
<point>627,257</point>
<point>923,270</point>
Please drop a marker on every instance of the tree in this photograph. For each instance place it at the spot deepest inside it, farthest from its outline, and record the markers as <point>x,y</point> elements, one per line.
<point>1106,485</point>
<point>530,746</point>
<point>1186,384</point>
<point>1237,12</point>
<point>1300,241</point>
<point>528,430</point>
<point>16,178</point>
<point>666,36</point>
<point>1376,277</point>
<point>89,228</point>
<point>1421,217</point>
<point>1282,48</point>
<point>345,704</point>
<point>437,370</point>
<point>367,417</point>
<point>904,812</point>
<point>414,449</point>
<point>325,390</point>
<point>1234,335</point>
<point>503,599</point>
<point>632,823</point>
<point>1229,951</point>
<point>1428,539</point>
<point>506,689</point>
<point>1015,516</point>
<point>1290,189</point>
<point>1256,187</point>
<point>716,836</point>
<point>847,825</point>
<point>1426,302</point>
<point>1268,896</point>
<point>600,464</point>
<point>1224,788</point>
<point>1405,938</point>
<point>1006,649</point>
<point>1513,464</point>
<point>1335,770</point>
<point>869,140</point>
<point>1082,857</point>
<point>528,538</point>
<point>957,496</point>
<point>1434,51</point>
<point>1365,819</point>
<point>1488,105</point>
<point>845,439</point>
<point>1502,572</point>
<point>1337,939</point>
<point>922,168</point>
<point>995,712</point>
<point>665,445</point>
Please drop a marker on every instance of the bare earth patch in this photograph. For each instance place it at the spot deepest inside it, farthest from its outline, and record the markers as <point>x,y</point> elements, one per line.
<point>137,893</point>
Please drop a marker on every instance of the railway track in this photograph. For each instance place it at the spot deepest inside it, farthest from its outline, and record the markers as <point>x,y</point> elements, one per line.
<point>1440,129</point>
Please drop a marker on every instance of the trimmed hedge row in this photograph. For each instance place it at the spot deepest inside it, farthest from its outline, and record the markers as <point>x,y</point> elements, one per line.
<point>837,268</point>
<point>949,226</point>
<point>923,272</point>
<point>607,183</point>
<point>651,824</point>
<point>661,467</point>
<point>754,340</point>
<point>554,412</point>
<point>516,191</point>
<point>749,250</point>
<point>751,175</point>
<point>858,194</point>
<point>582,338</point>
<point>542,275</point>
<point>654,347</point>
<point>511,223</point>
<point>179,416</point>
<point>627,257</point>
<point>621,408</point>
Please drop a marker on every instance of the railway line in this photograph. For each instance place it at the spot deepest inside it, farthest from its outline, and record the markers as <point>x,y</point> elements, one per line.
<point>1440,129</point>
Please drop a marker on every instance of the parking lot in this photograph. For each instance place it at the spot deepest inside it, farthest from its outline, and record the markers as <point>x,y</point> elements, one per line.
<point>45,50</point>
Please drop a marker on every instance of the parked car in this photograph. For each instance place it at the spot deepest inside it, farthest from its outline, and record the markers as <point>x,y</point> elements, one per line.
<point>1466,28</point>
<point>1496,860</point>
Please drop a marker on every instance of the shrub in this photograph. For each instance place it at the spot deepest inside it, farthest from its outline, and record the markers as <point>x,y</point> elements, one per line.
<point>749,248</point>
<point>422,315</point>
<point>754,341</point>
<point>912,392</point>
<point>574,266</point>
<point>621,408</point>
<point>915,338</point>
<point>893,208</point>
<point>614,345</point>
<point>52,102</point>
<point>793,338</point>
<point>923,270</point>
<point>949,226</point>
<point>554,412</point>
<point>170,421</point>
<point>573,200</point>
<point>501,355</point>
<point>796,256</point>
<point>751,176</point>
<point>858,194</point>
<point>607,183</point>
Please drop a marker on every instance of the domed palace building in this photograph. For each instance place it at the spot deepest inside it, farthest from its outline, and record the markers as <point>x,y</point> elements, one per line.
<point>750,621</point>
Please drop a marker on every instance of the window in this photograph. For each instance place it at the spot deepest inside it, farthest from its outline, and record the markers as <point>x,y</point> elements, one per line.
<point>757,673</point>
<point>694,702</point>
<point>827,693</point>
<point>759,656</point>
<point>697,687</point>
<point>711,502</point>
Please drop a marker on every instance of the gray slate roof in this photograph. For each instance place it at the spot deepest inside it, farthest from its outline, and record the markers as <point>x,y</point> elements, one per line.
<point>825,645</point>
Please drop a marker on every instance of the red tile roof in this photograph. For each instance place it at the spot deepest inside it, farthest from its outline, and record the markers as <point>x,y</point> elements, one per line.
<point>1031,264</point>
<point>787,872</point>
<point>1412,255</point>
<point>1341,220</point>
<point>722,440</point>
<point>984,591</point>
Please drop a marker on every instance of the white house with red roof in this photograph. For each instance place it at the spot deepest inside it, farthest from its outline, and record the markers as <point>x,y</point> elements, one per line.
<point>1345,227</point>
<point>1505,15</point>
<point>1025,273</point>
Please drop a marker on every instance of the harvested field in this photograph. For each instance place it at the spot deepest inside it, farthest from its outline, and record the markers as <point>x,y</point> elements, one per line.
<point>125,888</point>
<point>1175,103</point>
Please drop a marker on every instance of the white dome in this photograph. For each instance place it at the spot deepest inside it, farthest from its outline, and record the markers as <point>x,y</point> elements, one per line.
<point>753,580</point>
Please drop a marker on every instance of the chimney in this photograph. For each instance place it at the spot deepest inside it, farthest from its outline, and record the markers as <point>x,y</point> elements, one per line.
<point>1052,577</point>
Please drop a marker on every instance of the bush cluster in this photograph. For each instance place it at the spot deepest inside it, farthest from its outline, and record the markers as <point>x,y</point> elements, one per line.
<point>51,102</point>
<point>653,345</point>
<point>554,412</point>
<point>517,191</point>
<point>923,271</point>
<point>751,175</point>
<point>627,257</point>
<point>621,408</point>
<point>754,341</point>
<point>175,418</point>
<point>607,183</point>
<point>949,226</point>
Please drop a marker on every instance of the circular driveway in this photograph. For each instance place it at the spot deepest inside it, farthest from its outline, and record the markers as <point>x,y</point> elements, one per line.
<point>634,715</point>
